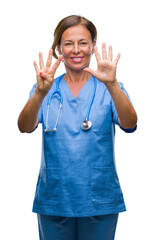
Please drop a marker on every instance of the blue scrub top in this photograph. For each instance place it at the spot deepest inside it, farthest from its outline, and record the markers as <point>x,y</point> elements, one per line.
<point>78,176</point>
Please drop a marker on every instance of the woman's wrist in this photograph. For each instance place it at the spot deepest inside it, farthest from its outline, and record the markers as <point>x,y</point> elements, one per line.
<point>113,87</point>
<point>40,93</point>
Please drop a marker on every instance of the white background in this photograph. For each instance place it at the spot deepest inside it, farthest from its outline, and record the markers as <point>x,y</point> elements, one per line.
<point>27,28</point>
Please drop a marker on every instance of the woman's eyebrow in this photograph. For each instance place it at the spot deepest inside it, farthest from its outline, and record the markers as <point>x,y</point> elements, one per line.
<point>83,39</point>
<point>68,40</point>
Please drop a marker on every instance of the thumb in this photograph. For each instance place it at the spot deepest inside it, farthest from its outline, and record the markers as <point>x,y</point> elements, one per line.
<point>89,70</point>
<point>42,74</point>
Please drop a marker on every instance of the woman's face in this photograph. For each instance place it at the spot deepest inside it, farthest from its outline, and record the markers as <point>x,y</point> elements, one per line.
<point>76,47</point>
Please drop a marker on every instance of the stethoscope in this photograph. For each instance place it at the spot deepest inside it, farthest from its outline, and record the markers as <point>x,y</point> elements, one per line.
<point>86,124</point>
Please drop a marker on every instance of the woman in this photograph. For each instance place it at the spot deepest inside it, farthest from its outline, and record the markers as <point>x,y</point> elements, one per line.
<point>78,195</point>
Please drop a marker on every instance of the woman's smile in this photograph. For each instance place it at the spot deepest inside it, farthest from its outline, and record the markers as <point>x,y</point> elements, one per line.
<point>77,59</point>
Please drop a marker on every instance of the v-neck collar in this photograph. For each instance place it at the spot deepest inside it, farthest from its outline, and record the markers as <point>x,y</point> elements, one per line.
<point>82,93</point>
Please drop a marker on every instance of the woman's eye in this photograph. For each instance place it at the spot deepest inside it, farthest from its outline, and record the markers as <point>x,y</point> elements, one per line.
<point>83,43</point>
<point>67,44</point>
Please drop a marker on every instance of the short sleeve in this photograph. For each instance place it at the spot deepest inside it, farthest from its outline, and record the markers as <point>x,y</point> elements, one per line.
<point>40,111</point>
<point>115,115</point>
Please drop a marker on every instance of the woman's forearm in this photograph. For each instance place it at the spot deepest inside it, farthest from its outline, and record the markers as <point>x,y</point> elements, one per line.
<point>127,116</point>
<point>28,118</point>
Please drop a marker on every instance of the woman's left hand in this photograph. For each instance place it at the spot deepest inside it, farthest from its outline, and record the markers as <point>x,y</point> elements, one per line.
<point>106,71</point>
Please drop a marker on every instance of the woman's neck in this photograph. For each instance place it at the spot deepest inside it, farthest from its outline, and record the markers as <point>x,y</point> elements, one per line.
<point>76,76</point>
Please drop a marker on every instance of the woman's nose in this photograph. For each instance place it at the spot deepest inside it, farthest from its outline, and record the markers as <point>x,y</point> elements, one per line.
<point>76,49</point>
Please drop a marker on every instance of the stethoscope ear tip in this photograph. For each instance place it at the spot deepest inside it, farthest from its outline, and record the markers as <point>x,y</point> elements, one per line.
<point>53,130</point>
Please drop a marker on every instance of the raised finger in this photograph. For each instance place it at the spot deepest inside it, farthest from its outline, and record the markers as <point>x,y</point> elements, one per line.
<point>110,55</point>
<point>104,52</point>
<point>41,63</point>
<point>56,64</point>
<point>36,67</point>
<point>117,59</point>
<point>49,59</point>
<point>97,55</point>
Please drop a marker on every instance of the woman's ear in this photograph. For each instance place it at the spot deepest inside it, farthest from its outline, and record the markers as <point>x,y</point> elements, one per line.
<point>59,50</point>
<point>94,44</point>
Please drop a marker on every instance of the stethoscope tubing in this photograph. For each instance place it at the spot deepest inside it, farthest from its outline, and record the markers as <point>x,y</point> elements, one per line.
<point>91,102</point>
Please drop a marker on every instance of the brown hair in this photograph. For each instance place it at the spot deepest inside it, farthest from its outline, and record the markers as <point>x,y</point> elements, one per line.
<point>70,21</point>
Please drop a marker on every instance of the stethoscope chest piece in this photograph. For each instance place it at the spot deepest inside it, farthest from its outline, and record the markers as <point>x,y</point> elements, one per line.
<point>86,125</point>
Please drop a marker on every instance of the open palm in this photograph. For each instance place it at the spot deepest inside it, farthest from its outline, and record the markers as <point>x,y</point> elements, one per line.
<point>45,75</point>
<point>106,71</point>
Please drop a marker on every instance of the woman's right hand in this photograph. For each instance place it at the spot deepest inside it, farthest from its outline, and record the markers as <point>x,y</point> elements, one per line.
<point>45,75</point>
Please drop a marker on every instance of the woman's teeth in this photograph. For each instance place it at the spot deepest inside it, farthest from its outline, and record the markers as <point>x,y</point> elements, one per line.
<point>77,59</point>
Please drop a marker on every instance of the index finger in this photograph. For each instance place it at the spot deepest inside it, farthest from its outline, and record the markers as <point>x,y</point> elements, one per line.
<point>49,59</point>
<point>56,64</point>
<point>97,55</point>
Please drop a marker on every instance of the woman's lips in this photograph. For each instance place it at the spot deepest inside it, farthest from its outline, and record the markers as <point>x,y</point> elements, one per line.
<point>77,59</point>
